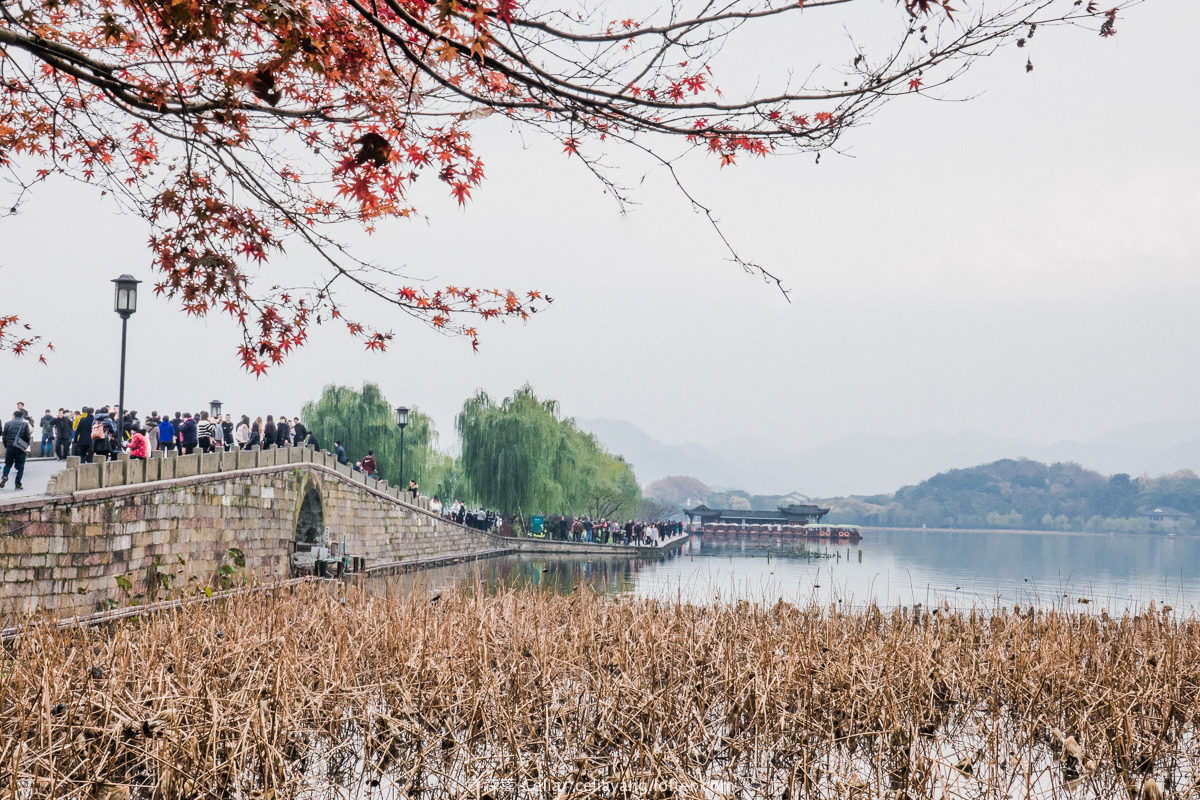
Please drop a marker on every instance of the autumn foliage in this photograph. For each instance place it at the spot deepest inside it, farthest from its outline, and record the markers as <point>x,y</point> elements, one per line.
<point>236,126</point>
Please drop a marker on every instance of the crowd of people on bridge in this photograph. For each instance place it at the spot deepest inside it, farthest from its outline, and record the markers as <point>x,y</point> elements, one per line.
<point>605,531</point>
<point>101,434</point>
<point>477,518</point>
<point>98,433</point>
<point>562,528</point>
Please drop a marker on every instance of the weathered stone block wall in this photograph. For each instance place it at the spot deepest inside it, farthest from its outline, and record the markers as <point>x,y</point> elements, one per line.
<point>71,553</point>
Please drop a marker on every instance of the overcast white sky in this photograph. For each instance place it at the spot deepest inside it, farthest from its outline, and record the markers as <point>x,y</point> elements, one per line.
<point>1021,264</point>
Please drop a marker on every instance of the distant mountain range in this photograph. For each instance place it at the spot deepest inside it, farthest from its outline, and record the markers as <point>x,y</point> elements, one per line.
<point>866,464</point>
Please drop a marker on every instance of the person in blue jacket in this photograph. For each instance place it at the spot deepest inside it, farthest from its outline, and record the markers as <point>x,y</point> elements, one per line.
<point>166,434</point>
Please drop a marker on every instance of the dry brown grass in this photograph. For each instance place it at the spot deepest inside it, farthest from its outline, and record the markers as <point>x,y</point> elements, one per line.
<point>319,692</point>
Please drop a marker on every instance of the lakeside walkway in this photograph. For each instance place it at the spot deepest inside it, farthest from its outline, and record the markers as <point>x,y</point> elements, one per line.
<point>531,544</point>
<point>37,476</point>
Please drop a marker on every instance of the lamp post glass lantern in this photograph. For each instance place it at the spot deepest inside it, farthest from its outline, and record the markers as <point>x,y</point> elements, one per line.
<point>402,421</point>
<point>124,303</point>
<point>125,299</point>
<point>214,409</point>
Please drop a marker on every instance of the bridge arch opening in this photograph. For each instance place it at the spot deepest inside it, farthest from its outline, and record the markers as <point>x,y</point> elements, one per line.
<point>310,522</point>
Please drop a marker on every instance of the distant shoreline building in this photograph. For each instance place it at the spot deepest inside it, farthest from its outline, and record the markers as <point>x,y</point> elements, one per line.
<point>794,514</point>
<point>1165,517</point>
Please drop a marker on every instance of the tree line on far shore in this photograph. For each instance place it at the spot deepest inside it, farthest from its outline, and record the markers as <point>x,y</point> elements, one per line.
<point>1024,494</point>
<point>519,456</point>
<point>1006,494</point>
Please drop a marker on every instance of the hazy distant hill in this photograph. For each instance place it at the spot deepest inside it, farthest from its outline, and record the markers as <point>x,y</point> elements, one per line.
<point>1026,494</point>
<point>1155,447</point>
<point>651,459</point>
<point>677,490</point>
<point>873,463</point>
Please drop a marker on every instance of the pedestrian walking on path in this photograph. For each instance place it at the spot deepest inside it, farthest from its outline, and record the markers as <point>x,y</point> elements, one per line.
<point>83,436</point>
<point>18,436</point>
<point>47,423</point>
<point>62,434</point>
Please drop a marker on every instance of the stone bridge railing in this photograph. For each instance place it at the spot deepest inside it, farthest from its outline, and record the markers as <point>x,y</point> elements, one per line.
<point>126,471</point>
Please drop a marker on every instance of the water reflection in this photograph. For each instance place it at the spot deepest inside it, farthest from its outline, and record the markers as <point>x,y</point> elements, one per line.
<point>892,568</point>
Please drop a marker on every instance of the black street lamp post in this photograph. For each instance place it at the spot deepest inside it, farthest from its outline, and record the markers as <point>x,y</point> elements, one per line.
<point>402,421</point>
<point>214,409</point>
<point>125,303</point>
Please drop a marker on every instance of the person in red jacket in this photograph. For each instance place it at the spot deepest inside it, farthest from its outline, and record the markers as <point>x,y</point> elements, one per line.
<point>139,445</point>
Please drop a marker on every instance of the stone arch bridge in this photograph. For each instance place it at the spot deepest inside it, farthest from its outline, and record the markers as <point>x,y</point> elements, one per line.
<point>113,532</point>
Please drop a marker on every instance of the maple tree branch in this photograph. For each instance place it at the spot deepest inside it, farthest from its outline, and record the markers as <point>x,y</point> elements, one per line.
<point>662,30</point>
<point>95,73</point>
<point>749,267</point>
<point>255,122</point>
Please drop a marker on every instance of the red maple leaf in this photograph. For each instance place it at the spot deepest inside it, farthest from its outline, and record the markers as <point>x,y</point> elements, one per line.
<point>914,84</point>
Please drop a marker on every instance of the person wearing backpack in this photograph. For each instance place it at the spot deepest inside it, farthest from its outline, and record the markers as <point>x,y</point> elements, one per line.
<point>18,436</point>
<point>102,439</point>
<point>47,423</point>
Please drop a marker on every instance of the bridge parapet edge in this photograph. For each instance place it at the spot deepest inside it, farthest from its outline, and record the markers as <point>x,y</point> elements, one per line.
<point>78,477</point>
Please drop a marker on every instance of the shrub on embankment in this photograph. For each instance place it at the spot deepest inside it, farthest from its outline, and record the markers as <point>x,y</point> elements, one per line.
<point>322,693</point>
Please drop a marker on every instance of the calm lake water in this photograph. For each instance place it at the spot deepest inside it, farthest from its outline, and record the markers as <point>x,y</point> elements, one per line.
<point>895,568</point>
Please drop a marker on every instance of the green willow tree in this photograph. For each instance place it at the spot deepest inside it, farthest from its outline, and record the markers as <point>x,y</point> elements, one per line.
<point>365,420</point>
<point>520,457</point>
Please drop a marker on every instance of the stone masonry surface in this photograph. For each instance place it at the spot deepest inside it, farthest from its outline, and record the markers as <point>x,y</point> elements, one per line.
<point>167,528</point>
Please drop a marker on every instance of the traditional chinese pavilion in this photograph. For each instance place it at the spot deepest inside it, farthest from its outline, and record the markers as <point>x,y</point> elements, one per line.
<point>785,515</point>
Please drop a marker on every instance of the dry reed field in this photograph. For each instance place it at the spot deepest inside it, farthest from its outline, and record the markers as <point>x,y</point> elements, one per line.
<point>326,691</point>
